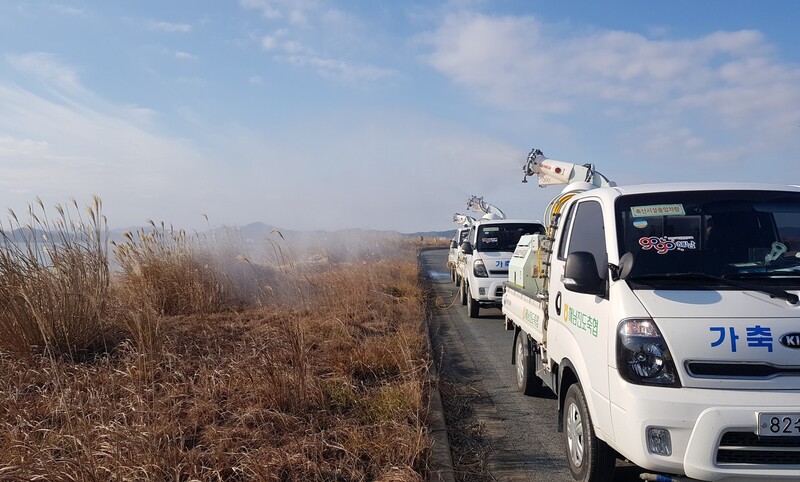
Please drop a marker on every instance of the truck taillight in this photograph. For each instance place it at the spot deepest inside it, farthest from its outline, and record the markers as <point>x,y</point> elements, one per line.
<point>643,357</point>
<point>479,269</point>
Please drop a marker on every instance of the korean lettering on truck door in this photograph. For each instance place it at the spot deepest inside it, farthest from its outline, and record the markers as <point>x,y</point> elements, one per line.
<point>585,317</point>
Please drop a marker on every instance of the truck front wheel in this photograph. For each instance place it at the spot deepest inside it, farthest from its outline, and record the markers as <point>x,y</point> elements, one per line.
<point>527,381</point>
<point>590,459</point>
<point>463,292</point>
<point>473,306</point>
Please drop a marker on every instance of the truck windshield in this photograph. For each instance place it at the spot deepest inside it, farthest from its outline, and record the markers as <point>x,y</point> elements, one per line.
<point>504,237</point>
<point>695,236</point>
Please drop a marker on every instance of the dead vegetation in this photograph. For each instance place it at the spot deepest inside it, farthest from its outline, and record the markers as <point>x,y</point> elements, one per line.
<point>306,372</point>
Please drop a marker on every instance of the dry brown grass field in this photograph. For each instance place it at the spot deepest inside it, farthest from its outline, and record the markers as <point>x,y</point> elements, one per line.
<point>192,362</point>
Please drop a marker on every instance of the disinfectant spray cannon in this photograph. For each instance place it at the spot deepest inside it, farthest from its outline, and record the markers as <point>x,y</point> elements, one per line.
<point>463,220</point>
<point>577,178</point>
<point>553,172</point>
<point>478,205</point>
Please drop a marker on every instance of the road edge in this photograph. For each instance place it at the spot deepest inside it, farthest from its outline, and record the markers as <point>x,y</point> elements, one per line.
<point>440,464</point>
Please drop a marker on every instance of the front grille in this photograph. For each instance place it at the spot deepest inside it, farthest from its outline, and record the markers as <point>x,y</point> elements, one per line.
<point>753,370</point>
<point>746,448</point>
<point>499,272</point>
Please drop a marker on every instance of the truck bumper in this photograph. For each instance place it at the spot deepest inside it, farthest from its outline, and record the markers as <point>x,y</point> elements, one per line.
<point>488,290</point>
<point>712,432</point>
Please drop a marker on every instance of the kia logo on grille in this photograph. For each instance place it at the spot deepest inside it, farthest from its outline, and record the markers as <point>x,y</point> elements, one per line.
<point>791,340</point>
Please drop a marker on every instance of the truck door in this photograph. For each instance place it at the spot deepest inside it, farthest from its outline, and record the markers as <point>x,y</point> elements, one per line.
<point>580,323</point>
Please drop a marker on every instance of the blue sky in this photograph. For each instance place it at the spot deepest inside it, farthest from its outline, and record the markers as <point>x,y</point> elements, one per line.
<point>313,114</point>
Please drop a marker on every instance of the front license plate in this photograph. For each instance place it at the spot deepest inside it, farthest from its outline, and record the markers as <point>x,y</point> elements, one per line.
<point>773,424</point>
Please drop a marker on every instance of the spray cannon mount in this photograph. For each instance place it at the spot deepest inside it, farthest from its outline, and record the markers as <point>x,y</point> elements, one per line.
<point>552,172</point>
<point>464,220</point>
<point>478,205</point>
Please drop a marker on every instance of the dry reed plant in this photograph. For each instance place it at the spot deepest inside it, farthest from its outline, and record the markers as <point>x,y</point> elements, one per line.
<point>165,270</point>
<point>54,280</point>
<point>330,385</point>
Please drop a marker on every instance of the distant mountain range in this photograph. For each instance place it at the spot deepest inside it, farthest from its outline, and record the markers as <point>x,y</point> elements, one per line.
<point>259,230</point>
<point>250,232</point>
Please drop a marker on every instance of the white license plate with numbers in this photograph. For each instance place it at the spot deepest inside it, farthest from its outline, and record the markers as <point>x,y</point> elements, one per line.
<point>773,424</point>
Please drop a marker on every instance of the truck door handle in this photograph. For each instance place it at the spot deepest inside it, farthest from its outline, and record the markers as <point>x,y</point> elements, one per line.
<point>558,303</point>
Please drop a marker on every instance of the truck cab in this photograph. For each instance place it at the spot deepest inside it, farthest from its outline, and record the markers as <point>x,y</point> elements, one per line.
<point>487,250</point>
<point>455,254</point>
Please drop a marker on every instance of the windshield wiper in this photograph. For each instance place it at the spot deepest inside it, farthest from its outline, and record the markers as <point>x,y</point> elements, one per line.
<point>772,291</point>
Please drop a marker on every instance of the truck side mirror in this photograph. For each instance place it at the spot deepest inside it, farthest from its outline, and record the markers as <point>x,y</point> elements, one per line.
<point>580,274</point>
<point>466,248</point>
<point>625,266</point>
<point>453,244</point>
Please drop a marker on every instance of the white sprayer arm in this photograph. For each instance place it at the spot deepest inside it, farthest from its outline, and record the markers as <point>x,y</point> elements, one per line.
<point>478,205</point>
<point>463,220</point>
<point>553,172</point>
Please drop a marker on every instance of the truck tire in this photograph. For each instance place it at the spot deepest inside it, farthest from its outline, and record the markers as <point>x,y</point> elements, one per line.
<point>463,292</point>
<point>527,381</point>
<point>589,458</point>
<point>473,307</point>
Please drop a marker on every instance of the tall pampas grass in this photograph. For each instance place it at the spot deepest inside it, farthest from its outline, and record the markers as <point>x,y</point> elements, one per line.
<point>54,280</point>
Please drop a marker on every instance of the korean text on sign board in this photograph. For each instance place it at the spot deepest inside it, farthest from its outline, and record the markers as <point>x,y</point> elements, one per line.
<point>658,210</point>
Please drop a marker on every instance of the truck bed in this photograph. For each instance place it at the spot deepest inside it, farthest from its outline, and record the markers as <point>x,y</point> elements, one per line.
<point>524,308</point>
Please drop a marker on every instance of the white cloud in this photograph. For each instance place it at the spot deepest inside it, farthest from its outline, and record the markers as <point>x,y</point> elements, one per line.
<point>294,47</point>
<point>315,23</point>
<point>181,55</point>
<point>45,67</point>
<point>266,7</point>
<point>296,12</point>
<point>66,10</point>
<point>298,18</point>
<point>271,42</point>
<point>20,148</point>
<point>300,55</point>
<point>169,27</point>
<point>74,144</point>
<point>339,69</point>
<point>505,59</point>
<point>268,42</point>
<point>706,90</point>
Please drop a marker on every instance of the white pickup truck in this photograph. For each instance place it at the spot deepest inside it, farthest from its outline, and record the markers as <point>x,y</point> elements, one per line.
<point>455,254</point>
<point>666,320</point>
<point>487,253</point>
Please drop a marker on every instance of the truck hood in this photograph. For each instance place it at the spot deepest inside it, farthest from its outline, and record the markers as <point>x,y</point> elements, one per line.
<point>728,339</point>
<point>714,304</point>
<point>496,262</point>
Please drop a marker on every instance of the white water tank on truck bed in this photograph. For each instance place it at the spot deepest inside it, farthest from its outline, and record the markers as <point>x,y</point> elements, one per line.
<point>524,269</point>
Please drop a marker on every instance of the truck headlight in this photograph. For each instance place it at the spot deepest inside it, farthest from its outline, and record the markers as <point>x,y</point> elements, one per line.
<point>643,357</point>
<point>479,269</point>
